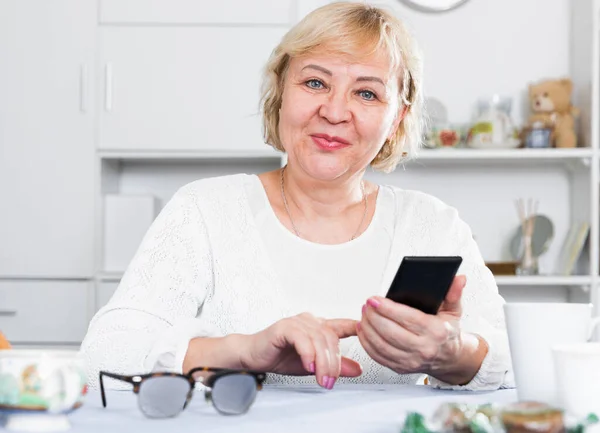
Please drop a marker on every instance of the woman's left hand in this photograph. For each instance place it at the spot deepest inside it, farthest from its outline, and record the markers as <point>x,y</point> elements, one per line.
<point>407,340</point>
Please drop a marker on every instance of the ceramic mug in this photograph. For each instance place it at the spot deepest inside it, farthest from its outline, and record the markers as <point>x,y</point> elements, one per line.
<point>577,368</point>
<point>42,381</point>
<point>533,330</point>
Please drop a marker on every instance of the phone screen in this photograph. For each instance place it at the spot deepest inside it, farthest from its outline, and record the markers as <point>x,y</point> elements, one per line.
<point>422,282</point>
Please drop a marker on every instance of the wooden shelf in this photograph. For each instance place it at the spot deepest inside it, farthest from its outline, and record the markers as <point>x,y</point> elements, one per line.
<point>463,154</point>
<point>543,280</point>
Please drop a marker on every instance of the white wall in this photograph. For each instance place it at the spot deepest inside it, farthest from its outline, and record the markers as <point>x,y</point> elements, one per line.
<point>490,46</point>
<point>581,56</point>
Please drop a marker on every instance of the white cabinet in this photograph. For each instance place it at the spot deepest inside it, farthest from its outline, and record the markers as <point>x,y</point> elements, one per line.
<point>182,88</point>
<point>44,311</point>
<point>121,238</point>
<point>104,291</point>
<point>46,138</point>
<point>256,12</point>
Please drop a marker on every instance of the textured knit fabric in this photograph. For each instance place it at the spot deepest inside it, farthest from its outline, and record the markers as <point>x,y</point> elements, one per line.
<point>217,261</point>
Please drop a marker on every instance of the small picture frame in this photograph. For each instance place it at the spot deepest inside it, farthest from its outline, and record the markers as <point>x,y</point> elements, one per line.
<point>572,247</point>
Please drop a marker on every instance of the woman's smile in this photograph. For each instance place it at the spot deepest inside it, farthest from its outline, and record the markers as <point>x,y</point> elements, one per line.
<point>328,143</point>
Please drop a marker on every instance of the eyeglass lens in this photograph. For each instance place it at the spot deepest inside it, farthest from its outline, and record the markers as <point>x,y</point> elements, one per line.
<point>233,394</point>
<point>163,396</point>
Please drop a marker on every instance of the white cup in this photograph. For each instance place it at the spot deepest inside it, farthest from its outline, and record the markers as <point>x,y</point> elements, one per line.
<point>577,369</point>
<point>533,330</point>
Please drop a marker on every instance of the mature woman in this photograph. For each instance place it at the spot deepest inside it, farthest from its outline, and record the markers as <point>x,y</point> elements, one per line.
<point>286,272</point>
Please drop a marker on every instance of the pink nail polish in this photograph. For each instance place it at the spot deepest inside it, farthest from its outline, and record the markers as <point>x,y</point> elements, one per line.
<point>358,326</point>
<point>331,383</point>
<point>373,303</point>
<point>325,381</point>
<point>311,367</point>
<point>364,308</point>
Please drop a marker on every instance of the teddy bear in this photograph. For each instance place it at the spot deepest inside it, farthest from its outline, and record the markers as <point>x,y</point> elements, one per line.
<point>550,103</point>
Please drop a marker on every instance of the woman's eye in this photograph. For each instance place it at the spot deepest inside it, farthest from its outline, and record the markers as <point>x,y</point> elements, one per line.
<point>367,95</point>
<point>314,84</point>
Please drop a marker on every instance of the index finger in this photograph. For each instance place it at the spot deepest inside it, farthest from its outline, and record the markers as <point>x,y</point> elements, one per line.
<point>342,327</point>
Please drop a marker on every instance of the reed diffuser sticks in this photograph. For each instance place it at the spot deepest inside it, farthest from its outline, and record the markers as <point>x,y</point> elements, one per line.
<point>526,215</point>
<point>528,265</point>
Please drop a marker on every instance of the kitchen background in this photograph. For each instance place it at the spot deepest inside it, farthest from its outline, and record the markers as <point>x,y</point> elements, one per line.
<point>108,106</point>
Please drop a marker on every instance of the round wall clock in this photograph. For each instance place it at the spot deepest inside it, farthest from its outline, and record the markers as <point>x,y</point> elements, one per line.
<point>434,5</point>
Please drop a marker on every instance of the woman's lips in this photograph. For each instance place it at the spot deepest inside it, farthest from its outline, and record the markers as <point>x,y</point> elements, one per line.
<point>329,143</point>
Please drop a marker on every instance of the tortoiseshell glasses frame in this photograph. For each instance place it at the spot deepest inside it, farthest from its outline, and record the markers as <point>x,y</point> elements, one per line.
<point>217,374</point>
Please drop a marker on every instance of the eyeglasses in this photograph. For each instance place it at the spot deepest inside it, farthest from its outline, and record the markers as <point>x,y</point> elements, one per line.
<point>165,395</point>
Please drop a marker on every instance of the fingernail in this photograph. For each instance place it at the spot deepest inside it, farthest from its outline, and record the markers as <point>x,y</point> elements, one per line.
<point>331,383</point>
<point>364,308</point>
<point>325,381</point>
<point>311,367</point>
<point>373,303</point>
<point>358,326</point>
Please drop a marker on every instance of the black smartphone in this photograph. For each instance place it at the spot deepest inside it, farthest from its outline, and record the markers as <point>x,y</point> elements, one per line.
<point>422,282</point>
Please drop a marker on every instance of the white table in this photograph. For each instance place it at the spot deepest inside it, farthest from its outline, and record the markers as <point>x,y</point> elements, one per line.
<point>347,408</point>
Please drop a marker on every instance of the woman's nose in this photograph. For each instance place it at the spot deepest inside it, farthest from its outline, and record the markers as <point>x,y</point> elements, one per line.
<point>335,109</point>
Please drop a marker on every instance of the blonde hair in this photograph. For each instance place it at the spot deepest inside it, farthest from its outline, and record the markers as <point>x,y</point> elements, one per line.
<point>352,29</point>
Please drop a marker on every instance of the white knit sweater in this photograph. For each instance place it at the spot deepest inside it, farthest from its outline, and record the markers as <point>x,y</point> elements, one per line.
<point>204,269</point>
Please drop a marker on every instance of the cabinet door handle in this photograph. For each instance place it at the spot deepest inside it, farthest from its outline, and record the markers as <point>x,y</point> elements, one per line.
<point>83,96</point>
<point>108,75</point>
<point>8,312</point>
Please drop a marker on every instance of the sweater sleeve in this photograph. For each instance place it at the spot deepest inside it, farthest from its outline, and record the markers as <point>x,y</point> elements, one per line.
<point>149,321</point>
<point>483,313</point>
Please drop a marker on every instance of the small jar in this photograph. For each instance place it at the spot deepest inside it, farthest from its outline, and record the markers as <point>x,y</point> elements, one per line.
<point>538,138</point>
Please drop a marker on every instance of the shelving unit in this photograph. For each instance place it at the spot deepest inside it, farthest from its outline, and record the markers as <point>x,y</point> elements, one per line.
<point>583,155</point>
<point>507,155</point>
<point>580,281</point>
<point>482,184</point>
<point>572,170</point>
<point>186,155</point>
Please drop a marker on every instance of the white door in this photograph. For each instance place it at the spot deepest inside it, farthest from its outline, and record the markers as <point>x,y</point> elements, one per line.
<point>46,138</point>
<point>187,88</point>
